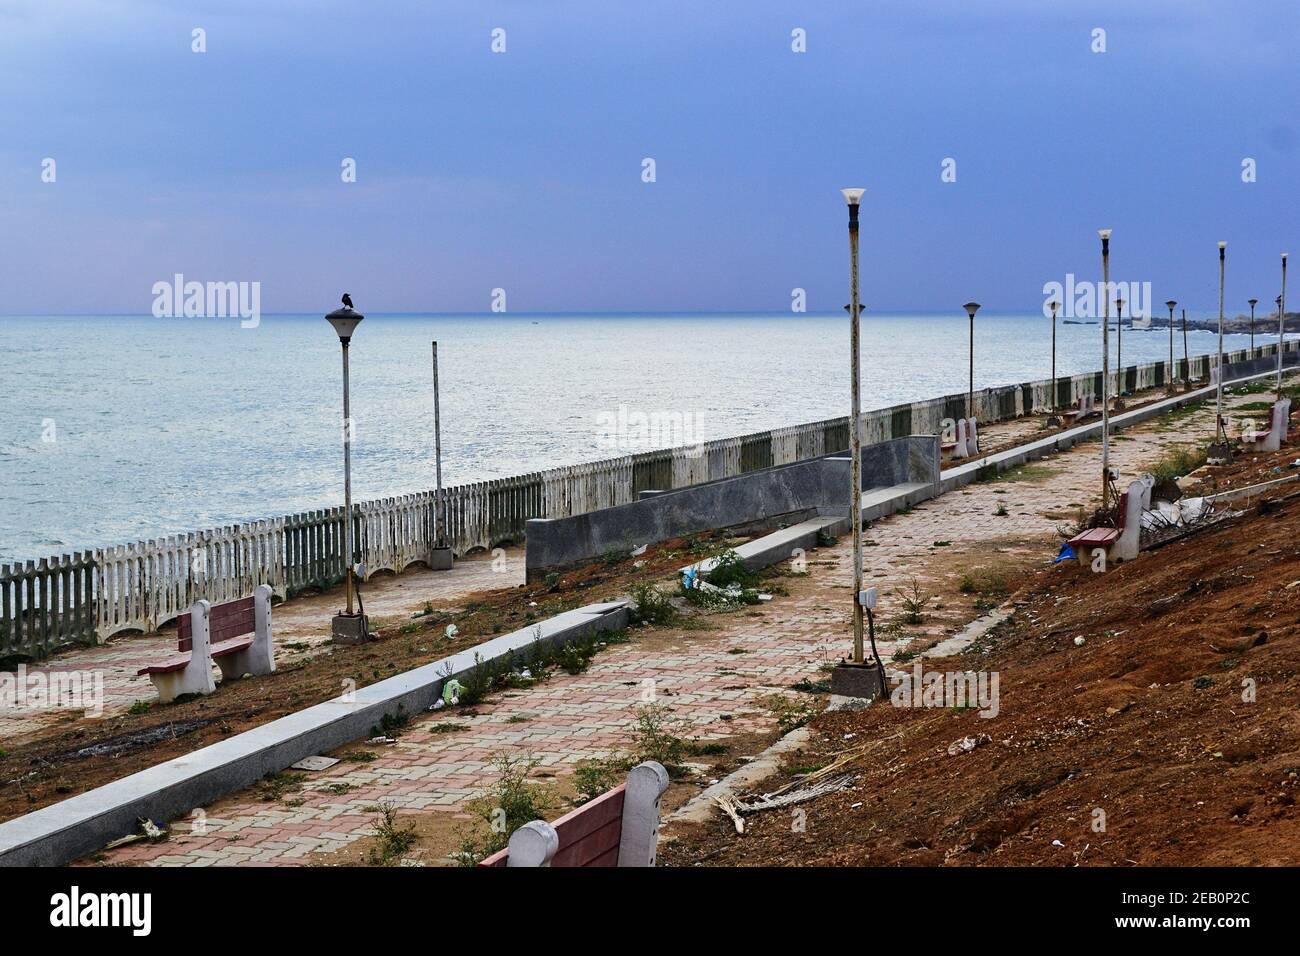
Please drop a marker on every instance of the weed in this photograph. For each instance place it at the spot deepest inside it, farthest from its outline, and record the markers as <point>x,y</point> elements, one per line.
<point>504,807</point>
<point>360,756</point>
<point>790,714</point>
<point>1000,511</point>
<point>447,727</point>
<point>597,775</point>
<point>1178,462</point>
<point>653,738</point>
<point>914,602</point>
<point>391,725</point>
<point>651,606</point>
<point>139,707</point>
<point>275,785</point>
<point>391,839</point>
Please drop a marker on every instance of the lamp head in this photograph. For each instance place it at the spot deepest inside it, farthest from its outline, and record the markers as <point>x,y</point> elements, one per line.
<point>971,308</point>
<point>1252,302</point>
<point>1170,305</point>
<point>1104,233</point>
<point>345,322</point>
<point>1053,305</point>
<point>853,196</point>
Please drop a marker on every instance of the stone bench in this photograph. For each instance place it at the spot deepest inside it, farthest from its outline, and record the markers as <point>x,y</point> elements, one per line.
<point>1271,439</point>
<point>235,635</point>
<point>965,442</point>
<point>618,828</point>
<point>1085,407</point>
<point>1122,542</point>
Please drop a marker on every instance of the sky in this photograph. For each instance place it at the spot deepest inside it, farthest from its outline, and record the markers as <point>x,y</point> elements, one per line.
<point>524,170</point>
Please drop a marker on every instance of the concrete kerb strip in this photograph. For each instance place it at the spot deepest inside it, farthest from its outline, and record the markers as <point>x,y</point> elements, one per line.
<point>82,824</point>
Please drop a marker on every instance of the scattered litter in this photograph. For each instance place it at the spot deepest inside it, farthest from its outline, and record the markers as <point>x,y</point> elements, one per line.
<point>637,552</point>
<point>451,692</point>
<point>1057,843</point>
<point>1079,641</point>
<point>856,805</point>
<point>765,597</point>
<point>967,744</point>
<point>148,831</point>
<point>452,631</point>
<point>382,740</point>
<point>315,763</point>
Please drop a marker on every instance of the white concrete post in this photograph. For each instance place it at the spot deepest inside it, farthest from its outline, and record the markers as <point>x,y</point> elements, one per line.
<point>972,437</point>
<point>533,844</point>
<point>196,676</point>
<point>645,785</point>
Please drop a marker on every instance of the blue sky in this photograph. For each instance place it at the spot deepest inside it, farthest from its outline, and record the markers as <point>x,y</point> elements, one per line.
<point>522,170</point>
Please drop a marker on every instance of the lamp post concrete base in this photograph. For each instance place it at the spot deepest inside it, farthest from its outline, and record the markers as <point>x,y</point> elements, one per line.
<point>1219,453</point>
<point>856,680</point>
<point>349,629</point>
<point>441,559</point>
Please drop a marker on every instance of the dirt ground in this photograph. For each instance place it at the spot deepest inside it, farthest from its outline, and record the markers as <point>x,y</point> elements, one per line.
<point>1168,736</point>
<point>70,757</point>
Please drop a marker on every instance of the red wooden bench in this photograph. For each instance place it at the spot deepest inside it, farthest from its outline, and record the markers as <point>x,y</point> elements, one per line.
<point>236,635</point>
<point>618,828</point>
<point>1083,544</point>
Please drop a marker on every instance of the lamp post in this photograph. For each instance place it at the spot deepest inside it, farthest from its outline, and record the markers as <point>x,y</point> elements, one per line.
<point>1281,327</point>
<point>1252,325</point>
<point>1219,452</point>
<point>1187,359</point>
<point>1169,377</point>
<point>1119,341</point>
<point>971,308</point>
<point>853,197</point>
<point>1105,367</point>
<point>440,554</point>
<point>348,627</point>
<point>1052,419</point>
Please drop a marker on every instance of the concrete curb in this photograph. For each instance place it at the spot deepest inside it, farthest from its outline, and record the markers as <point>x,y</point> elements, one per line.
<point>82,824</point>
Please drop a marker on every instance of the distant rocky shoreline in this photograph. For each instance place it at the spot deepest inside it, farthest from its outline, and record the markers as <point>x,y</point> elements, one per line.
<point>1264,324</point>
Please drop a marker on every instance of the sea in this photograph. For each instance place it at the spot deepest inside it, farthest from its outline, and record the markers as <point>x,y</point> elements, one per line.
<point>119,428</point>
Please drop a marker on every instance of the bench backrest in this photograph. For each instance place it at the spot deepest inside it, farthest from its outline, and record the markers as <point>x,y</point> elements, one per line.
<point>232,619</point>
<point>589,835</point>
<point>1119,524</point>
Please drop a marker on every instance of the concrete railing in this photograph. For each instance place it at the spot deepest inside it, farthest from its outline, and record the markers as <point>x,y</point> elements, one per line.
<point>90,596</point>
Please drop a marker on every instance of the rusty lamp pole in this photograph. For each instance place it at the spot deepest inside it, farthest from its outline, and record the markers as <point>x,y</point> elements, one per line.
<point>1119,346</point>
<point>1221,435</point>
<point>1252,325</point>
<point>1169,377</point>
<point>1105,367</point>
<point>1187,360</point>
<point>853,197</point>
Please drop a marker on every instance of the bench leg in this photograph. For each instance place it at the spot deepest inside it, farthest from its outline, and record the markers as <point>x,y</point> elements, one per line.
<point>191,680</point>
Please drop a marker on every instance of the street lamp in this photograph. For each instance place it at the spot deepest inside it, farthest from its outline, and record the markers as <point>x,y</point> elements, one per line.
<point>853,197</point>
<point>1187,359</point>
<point>1169,376</point>
<point>1219,452</point>
<point>971,308</point>
<point>1105,367</point>
<point>1252,326</point>
<point>348,627</point>
<point>1281,327</point>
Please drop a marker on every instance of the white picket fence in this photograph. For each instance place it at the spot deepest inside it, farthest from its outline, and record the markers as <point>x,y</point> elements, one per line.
<point>90,596</point>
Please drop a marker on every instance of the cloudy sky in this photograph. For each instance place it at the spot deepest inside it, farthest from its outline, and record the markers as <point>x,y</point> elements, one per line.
<point>523,170</point>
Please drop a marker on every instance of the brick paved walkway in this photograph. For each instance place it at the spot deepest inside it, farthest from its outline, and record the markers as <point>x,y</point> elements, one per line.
<point>716,693</point>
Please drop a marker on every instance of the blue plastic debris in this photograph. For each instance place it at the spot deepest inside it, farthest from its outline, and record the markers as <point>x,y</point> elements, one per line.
<point>1067,554</point>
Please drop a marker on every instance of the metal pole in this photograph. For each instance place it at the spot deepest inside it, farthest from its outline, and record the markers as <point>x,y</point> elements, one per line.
<point>1187,361</point>
<point>349,550</point>
<point>1169,378</point>
<point>1281,327</point>
<point>1053,405</point>
<point>1252,327</point>
<point>1119,343</point>
<point>1105,368</point>
<point>970,387</point>
<point>1220,435</point>
<point>855,438</point>
<point>437,450</point>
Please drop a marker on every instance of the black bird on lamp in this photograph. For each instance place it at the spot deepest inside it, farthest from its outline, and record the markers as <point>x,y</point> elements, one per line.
<point>347,300</point>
